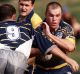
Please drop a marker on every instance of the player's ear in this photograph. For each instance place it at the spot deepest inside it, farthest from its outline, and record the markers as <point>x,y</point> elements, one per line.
<point>14,17</point>
<point>32,7</point>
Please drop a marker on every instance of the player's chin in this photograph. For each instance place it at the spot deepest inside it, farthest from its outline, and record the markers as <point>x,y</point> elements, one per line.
<point>54,26</point>
<point>23,14</point>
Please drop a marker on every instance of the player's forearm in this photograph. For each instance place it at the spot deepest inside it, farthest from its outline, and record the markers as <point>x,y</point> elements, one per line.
<point>63,43</point>
<point>56,51</point>
<point>34,52</point>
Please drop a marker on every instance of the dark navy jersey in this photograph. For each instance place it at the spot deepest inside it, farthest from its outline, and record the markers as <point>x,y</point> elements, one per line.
<point>33,17</point>
<point>14,34</point>
<point>42,42</point>
<point>27,18</point>
<point>65,32</point>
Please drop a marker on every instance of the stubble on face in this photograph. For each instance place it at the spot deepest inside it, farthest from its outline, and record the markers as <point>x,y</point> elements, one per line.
<point>25,7</point>
<point>53,17</point>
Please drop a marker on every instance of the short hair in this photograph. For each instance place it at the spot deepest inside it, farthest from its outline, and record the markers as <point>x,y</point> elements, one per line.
<point>54,5</point>
<point>6,10</point>
<point>29,0</point>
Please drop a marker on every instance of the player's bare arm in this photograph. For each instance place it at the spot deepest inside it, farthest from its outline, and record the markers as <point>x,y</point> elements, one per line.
<point>63,43</point>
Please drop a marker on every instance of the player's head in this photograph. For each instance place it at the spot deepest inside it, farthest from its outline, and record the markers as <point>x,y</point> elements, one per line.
<point>32,1</point>
<point>7,11</point>
<point>53,14</point>
<point>54,5</point>
<point>25,7</point>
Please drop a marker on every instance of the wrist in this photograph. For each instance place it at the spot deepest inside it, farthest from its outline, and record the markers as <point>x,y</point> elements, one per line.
<point>49,35</point>
<point>67,59</point>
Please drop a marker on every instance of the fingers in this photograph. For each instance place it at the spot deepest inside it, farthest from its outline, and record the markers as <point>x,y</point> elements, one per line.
<point>45,24</point>
<point>74,66</point>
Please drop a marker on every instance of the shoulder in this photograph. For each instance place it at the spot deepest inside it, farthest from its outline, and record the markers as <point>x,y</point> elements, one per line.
<point>67,26</point>
<point>35,15</point>
<point>36,20</point>
<point>7,23</point>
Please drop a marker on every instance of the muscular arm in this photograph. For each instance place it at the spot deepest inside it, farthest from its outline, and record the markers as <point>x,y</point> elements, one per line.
<point>56,51</point>
<point>74,65</point>
<point>63,43</point>
<point>34,52</point>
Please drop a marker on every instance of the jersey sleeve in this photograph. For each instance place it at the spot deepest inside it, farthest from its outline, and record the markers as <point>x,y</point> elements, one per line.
<point>69,34</point>
<point>36,20</point>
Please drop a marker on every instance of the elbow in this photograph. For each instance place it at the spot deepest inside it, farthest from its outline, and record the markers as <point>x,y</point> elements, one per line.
<point>71,48</point>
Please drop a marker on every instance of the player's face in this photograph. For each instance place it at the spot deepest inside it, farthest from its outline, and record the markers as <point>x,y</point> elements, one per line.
<point>25,7</point>
<point>53,17</point>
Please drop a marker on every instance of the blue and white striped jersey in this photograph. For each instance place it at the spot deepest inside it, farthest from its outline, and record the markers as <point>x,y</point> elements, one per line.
<point>13,34</point>
<point>19,37</point>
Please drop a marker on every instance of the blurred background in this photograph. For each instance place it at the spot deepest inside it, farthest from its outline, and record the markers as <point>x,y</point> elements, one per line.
<point>73,6</point>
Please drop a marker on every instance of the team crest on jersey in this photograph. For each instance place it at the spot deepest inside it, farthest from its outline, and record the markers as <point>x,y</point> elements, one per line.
<point>59,34</point>
<point>13,33</point>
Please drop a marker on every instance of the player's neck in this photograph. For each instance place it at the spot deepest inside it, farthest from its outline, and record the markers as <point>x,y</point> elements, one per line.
<point>8,20</point>
<point>22,18</point>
